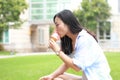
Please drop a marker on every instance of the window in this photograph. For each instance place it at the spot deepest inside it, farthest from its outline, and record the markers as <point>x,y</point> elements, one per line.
<point>44,10</point>
<point>1,37</point>
<point>37,17</point>
<point>41,36</point>
<point>5,36</point>
<point>37,10</point>
<point>37,5</point>
<point>119,6</point>
<point>104,30</point>
<point>36,0</point>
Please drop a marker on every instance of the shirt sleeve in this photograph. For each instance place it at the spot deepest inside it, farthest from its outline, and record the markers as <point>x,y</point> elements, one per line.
<point>85,52</point>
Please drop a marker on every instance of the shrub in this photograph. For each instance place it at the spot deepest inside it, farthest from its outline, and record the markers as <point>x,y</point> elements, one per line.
<point>51,29</point>
<point>1,47</point>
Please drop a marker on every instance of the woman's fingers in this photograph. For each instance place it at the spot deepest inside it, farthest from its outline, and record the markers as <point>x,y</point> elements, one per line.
<point>46,78</point>
<point>54,45</point>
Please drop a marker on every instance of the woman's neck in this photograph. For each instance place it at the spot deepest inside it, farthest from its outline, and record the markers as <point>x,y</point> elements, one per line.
<point>73,36</point>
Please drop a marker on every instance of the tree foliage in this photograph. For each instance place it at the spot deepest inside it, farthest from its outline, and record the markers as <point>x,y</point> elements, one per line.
<point>10,11</point>
<point>91,12</point>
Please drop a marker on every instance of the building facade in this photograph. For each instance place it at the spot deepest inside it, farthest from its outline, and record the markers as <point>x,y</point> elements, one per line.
<point>41,17</point>
<point>33,35</point>
<point>110,40</point>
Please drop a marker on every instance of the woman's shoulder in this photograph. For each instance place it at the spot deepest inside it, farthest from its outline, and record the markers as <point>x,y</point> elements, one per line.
<point>85,39</point>
<point>83,36</point>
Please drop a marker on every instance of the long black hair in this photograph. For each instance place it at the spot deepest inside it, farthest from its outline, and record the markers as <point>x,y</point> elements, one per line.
<point>74,26</point>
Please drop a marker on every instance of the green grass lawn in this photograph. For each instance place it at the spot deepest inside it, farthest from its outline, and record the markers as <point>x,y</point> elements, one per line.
<point>4,53</point>
<point>33,67</point>
<point>113,59</point>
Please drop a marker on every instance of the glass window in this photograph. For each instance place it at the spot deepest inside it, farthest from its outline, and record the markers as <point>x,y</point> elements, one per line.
<point>37,17</point>
<point>65,1</point>
<point>51,0</point>
<point>41,36</point>
<point>5,36</point>
<point>1,37</point>
<point>119,6</point>
<point>37,5</point>
<point>51,10</point>
<point>50,16</point>
<point>45,9</point>
<point>37,11</point>
<point>36,0</point>
<point>104,30</point>
<point>51,5</point>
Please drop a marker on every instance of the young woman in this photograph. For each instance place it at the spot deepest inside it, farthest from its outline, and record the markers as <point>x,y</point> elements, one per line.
<point>79,50</point>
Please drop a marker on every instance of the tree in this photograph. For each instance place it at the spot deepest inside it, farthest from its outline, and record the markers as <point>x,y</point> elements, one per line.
<point>10,11</point>
<point>92,12</point>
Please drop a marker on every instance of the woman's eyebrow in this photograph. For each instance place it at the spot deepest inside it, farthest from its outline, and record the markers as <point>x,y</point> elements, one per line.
<point>55,22</point>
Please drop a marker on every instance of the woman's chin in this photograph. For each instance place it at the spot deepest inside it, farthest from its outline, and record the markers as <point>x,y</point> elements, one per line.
<point>62,36</point>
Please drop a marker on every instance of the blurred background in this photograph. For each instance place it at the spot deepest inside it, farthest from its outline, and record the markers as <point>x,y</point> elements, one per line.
<point>26,25</point>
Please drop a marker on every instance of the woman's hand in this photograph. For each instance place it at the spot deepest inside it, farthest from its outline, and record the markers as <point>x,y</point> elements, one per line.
<point>54,46</point>
<point>49,77</point>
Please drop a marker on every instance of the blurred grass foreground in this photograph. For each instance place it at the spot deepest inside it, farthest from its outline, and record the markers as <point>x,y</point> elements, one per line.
<point>35,66</point>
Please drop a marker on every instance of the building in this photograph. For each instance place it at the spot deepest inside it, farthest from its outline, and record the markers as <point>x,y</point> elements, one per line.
<point>111,38</point>
<point>33,35</point>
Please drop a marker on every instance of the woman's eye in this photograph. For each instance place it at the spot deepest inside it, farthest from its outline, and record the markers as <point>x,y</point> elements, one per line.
<point>57,24</point>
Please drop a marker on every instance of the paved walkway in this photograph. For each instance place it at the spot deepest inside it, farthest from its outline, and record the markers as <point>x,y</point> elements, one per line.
<point>26,54</point>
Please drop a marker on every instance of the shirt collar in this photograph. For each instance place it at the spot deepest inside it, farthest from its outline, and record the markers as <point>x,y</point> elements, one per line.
<point>81,33</point>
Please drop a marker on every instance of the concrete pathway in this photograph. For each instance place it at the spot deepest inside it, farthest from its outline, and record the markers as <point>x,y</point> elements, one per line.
<point>26,54</point>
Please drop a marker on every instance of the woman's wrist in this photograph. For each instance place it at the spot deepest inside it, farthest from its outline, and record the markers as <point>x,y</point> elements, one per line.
<point>58,52</point>
<point>51,76</point>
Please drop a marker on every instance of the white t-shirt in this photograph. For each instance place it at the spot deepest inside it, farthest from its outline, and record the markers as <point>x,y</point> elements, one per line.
<point>89,57</point>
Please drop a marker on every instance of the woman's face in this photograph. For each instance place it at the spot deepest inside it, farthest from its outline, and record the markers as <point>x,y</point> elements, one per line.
<point>61,28</point>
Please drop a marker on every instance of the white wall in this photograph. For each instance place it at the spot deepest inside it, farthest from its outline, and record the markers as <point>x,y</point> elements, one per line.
<point>114,6</point>
<point>20,38</point>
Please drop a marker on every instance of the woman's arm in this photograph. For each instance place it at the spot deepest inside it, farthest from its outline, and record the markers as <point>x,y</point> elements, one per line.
<point>68,61</point>
<point>60,70</point>
<point>56,73</point>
